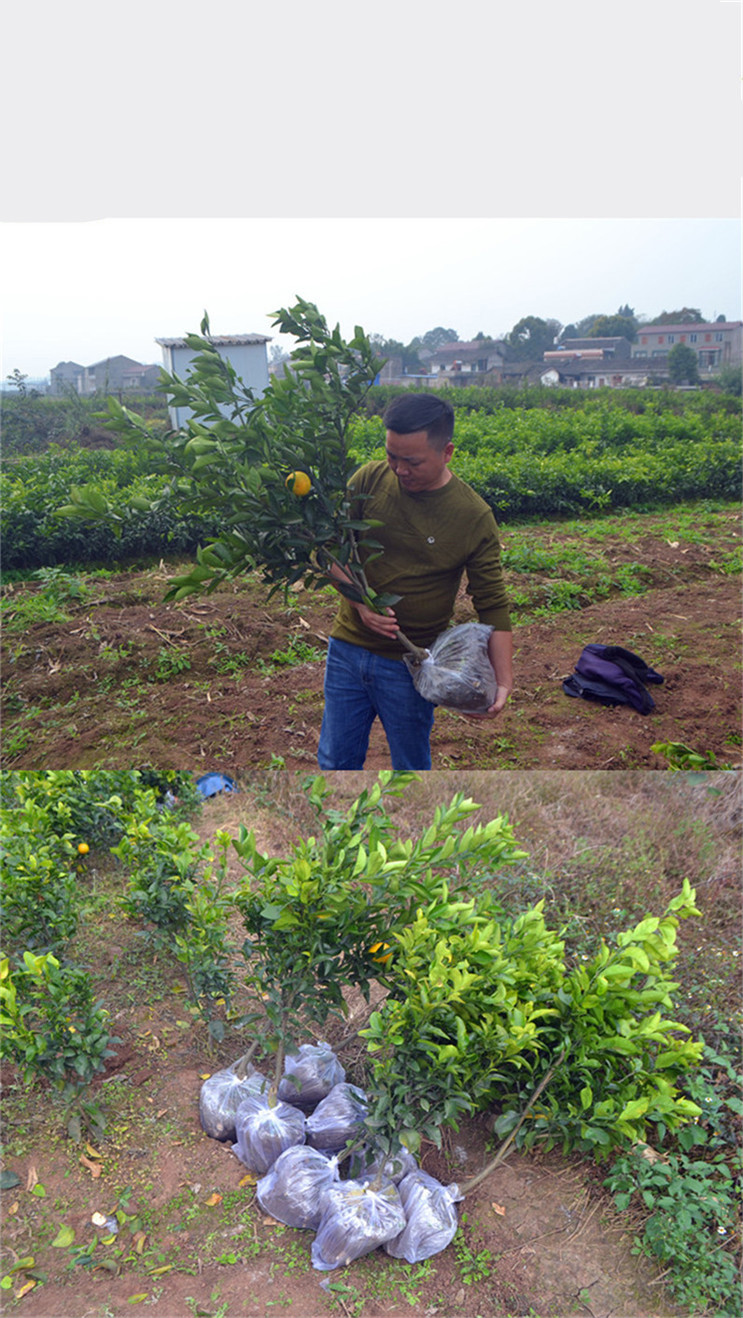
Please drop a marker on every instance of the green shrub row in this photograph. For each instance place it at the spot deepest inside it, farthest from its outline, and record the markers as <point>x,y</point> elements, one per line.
<point>33,536</point>
<point>525,461</point>
<point>487,398</point>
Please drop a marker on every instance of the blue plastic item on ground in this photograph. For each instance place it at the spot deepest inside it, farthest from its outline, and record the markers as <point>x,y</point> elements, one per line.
<point>212,783</point>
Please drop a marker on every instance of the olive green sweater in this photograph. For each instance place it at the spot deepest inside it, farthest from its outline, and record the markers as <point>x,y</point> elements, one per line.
<point>429,539</point>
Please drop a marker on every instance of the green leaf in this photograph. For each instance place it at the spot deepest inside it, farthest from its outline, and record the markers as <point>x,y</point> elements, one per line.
<point>64,1237</point>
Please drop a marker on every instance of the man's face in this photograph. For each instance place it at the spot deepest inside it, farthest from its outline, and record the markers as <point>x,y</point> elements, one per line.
<point>417,465</point>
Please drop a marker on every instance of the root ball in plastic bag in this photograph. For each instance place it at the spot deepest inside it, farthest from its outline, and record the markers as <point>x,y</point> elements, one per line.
<point>457,672</point>
<point>430,1217</point>
<point>295,1189</point>
<point>358,1217</point>
<point>337,1118</point>
<point>309,1075</point>
<point>220,1097</point>
<point>262,1131</point>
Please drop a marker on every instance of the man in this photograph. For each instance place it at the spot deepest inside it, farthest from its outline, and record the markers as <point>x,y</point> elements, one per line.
<point>434,528</point>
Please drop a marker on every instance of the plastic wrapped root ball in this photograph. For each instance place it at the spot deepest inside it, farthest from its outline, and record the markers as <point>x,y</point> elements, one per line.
<point>263,1132</point>
<point>367,1162</point>
<point>295,1189</point>
<point>358,1218</point>
<point>430,1217</point>
<point>220,1097</point>
<point>309,1075</point>
<point>337,1119</point>
<point>457,672</point>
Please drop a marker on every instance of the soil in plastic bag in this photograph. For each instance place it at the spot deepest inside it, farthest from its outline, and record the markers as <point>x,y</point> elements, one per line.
<point>365,1163</point>
<point>358,1218</point>
<point>221,1096</point>
<point>457,672</point>
<point>309,1075</point>
<point>295,1189</point>
<point>263,1132</point>
<point>430,1217</point>
<point>337,1118</point>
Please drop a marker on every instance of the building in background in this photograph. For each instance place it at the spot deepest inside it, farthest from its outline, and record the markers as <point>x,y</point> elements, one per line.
<point>246,352</point>
<point>716,344</point>
<point>112,375</point>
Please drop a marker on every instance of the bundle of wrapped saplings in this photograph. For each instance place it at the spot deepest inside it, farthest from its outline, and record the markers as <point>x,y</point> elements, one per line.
<point>293,1139</point>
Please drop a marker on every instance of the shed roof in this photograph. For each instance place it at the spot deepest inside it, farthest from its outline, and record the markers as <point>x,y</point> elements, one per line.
<point>219,340</point>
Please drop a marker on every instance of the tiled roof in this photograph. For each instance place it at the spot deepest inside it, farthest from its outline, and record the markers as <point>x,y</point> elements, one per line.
<point>690,326</point>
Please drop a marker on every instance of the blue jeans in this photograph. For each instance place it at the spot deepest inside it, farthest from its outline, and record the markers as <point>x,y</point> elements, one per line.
<point>359,687</point>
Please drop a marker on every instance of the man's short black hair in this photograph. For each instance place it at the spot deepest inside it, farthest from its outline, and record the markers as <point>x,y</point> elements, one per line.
<point>410,412</point>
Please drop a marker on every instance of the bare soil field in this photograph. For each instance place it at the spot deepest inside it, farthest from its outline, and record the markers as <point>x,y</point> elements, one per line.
<point>232,681</point>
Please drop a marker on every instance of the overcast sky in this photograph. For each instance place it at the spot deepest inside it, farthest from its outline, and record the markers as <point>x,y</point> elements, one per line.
<point>616,131</point>
<point>88,290</point>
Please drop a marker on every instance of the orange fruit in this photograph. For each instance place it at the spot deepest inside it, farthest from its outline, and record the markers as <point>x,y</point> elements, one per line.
<point>83,848</point>
<point>299,483</point>
<point>380,947</point>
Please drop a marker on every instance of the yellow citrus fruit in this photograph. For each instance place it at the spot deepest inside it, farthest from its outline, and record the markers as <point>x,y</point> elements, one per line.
<point>299,483</point>
<point>83,848</point>
<point>380,947</point>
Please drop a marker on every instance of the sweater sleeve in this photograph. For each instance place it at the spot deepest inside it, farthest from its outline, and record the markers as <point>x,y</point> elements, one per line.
<point>485,581</point>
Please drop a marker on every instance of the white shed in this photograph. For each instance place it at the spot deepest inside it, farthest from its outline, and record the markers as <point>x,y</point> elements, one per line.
<point>246,352</point>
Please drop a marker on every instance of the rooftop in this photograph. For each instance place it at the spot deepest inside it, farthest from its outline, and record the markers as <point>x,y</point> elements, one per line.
<point>219,340</point>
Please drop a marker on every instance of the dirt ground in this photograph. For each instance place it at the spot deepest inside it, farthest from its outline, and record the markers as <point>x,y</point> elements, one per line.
<point>86,693</point>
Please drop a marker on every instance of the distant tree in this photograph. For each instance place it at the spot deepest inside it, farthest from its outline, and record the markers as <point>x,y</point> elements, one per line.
<point>607,327</point>
<point>480,337</point>
<point>627,311</point>
<point>682,365</point>
<point>18,381</point>
<point>583,327</point>
<point>394,348</point>
<point>434,338</point>
<point>731,380</point>
<point>568,332</point>
<point>686,316</point>
<point>531,337</point>
<point>720,320</point>
<point>278,355</point>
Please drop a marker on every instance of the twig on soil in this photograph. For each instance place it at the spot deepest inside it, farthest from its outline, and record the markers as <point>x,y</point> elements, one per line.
<point>584,1221</point>
<point>500,1155</point>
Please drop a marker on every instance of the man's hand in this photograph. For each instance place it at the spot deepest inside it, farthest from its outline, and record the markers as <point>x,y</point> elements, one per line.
<point>384,624</point>
<point>500,653</point>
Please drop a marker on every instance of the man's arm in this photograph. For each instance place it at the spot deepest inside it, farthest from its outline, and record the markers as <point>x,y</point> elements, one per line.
<point>500,654</point>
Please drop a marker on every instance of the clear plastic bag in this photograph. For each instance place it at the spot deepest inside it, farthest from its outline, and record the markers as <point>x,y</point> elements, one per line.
<point>309,1075</point>
<point>295,1189</point>
<point>365,1163</point>
<point>358,1217</point>
<point>337,1118</point>
<point>221,1096</point>
<point>430,1217</point>
<point>457,672</point>
<point>263,1132</point>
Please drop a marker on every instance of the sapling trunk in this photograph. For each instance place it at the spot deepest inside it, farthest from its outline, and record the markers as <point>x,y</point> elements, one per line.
<point>505,1146</point>
<point>241,1065</point>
